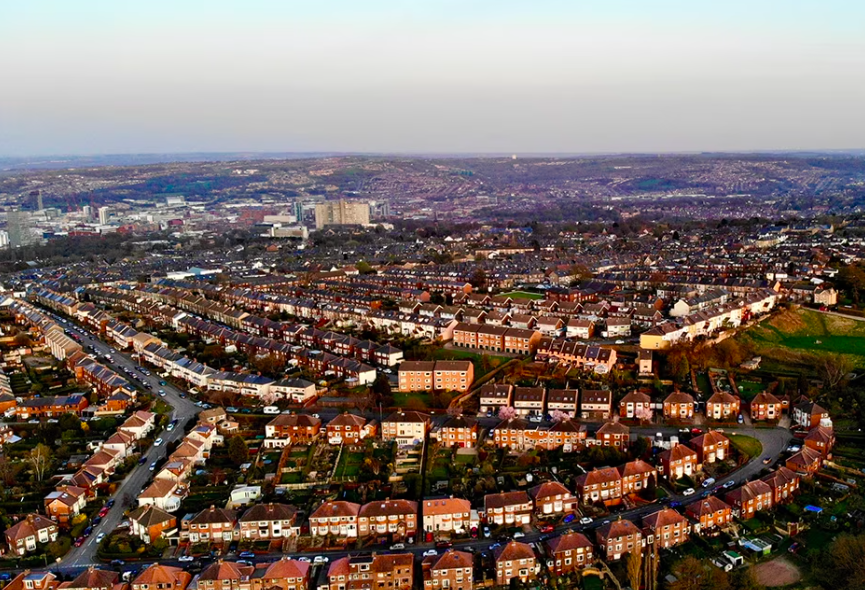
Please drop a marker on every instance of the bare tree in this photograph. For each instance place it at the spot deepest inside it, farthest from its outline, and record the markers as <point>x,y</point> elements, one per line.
<point>635,568</point>
<point>833,368</point>
<point>507,413</point>
<point>39,459</point>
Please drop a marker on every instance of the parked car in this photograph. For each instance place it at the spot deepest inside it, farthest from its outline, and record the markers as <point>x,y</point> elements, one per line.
<point>547,528</point>
<point>247,554</point>
<point>767,460</point>
<point>103,511</point>
<point>158,442</point>
<point>99,537</point>
<point>397,546</point>
<point>519,535</point>
<point>709,482</point>
<point>142,460</point>
<point>79,541</point>
<point>185,558</point>
<point>444,544</point>
<point>585,520</point>
<point>689,492</point>
<point>118,562</point>
<point>320,559</point>
<point>153,466</point>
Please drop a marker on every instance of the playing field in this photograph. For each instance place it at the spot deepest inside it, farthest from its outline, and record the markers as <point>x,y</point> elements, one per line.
<point>799,331</point>
<point>523,295</point>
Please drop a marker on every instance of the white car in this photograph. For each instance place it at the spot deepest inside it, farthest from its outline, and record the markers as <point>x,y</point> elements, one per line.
<point>689,492</point>
<point>519,535</point>
<point>185,558</point>
<point>430,553</point>
<point>158,442</point>
<point>585,520</point>
<point>153,466</point>
<point>319,559</point>
<point>306,559</point>
<point>99,537</point>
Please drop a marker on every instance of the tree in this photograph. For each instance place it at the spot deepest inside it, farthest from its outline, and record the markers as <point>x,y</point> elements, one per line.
<point>39,459</point>
<point>688,573</point>
<point>644,413</point>
<point>507,413</point>
<point>746,579</point>
<point>635,568</point>
<point>843,564</point>
<point>560,416</point>
<point>364,268</point>
<point>237,450</point>
<point>834,368</point>
<point>478,280</point>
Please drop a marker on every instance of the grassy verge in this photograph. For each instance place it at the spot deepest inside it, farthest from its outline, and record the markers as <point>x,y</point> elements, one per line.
<point>746,445</point>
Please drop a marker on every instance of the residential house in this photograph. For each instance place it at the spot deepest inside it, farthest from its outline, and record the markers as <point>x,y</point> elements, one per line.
<point>95,579</point>
<point>458,431</point>
<point>806,462</point>
<point>821,439</point>
<point>337,518</point>
<point>784,483</point>
<point>348,429</point>
<point>447,515</point>
<point>226,575</point>
<point>667,527</point>
<point>288,429</point>
<point>529,401</point>
<point>394,571</point>
<point>679,406</point>
<point>596,404</point>
<point>508,508</point>
<point>297,391</point>
<point>269,522</point>
<point>582,329</point>
<point>807,414</point>
<point>285,574</point>
<point>22,537</point>
<point>394,518</point>
<point>618,538</point>
<point>636,404</point>
<point>614,434</point>
<point>711,513</point>
<point>149,523</point>
<point>553,498</point>
<point>65,503</point>
<point>161,577</point>
<point>710,446</point>
<point>749,498</point>
<point>165,494</point>
<point>515,560</point>
<point>211,525</point>
<point>722,406</point>
<point>453,570</point>
<point>563,400</point>
<point>495,396</point>
<point>678,462</point>
<point>405,427</point>
<point>600,485</point>
<point>637,476</point>
<point>568,552</point>
<point>766,406</point>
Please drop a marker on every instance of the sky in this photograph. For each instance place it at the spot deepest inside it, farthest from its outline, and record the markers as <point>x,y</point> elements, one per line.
<point>430,76</point>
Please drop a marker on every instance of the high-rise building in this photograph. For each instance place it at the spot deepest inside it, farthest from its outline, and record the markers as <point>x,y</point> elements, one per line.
<point>40,205</point>
<point>298,210</point>
<point>16,223</point>
<point>87,210</point>
<point>104,213</point>
<point>341,212</point>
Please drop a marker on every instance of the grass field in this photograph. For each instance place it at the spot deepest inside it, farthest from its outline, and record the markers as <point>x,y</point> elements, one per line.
<point>746,445</point>
<point>786,337</point>
<point>523,295</point>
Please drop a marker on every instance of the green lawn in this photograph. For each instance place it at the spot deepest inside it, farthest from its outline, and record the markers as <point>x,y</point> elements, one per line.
<point>749,389</point>
<point>400,398</point>
<point>523,295</point>
<point>747,445</point>
<point>801,330</point>
<point>349,465</point>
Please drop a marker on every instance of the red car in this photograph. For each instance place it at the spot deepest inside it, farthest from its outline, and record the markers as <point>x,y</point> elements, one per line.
<point>696,430</point>
<point>104,511</point>
<point>444,545</point>
<point>79,541</point>
<point>547,528</point>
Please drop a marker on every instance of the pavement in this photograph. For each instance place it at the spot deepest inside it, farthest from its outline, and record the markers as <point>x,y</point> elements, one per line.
<point>774,441</point>
<point>183,410</point>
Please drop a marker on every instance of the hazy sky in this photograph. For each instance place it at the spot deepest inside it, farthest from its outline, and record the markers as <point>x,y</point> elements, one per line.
<point>89,76</point>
